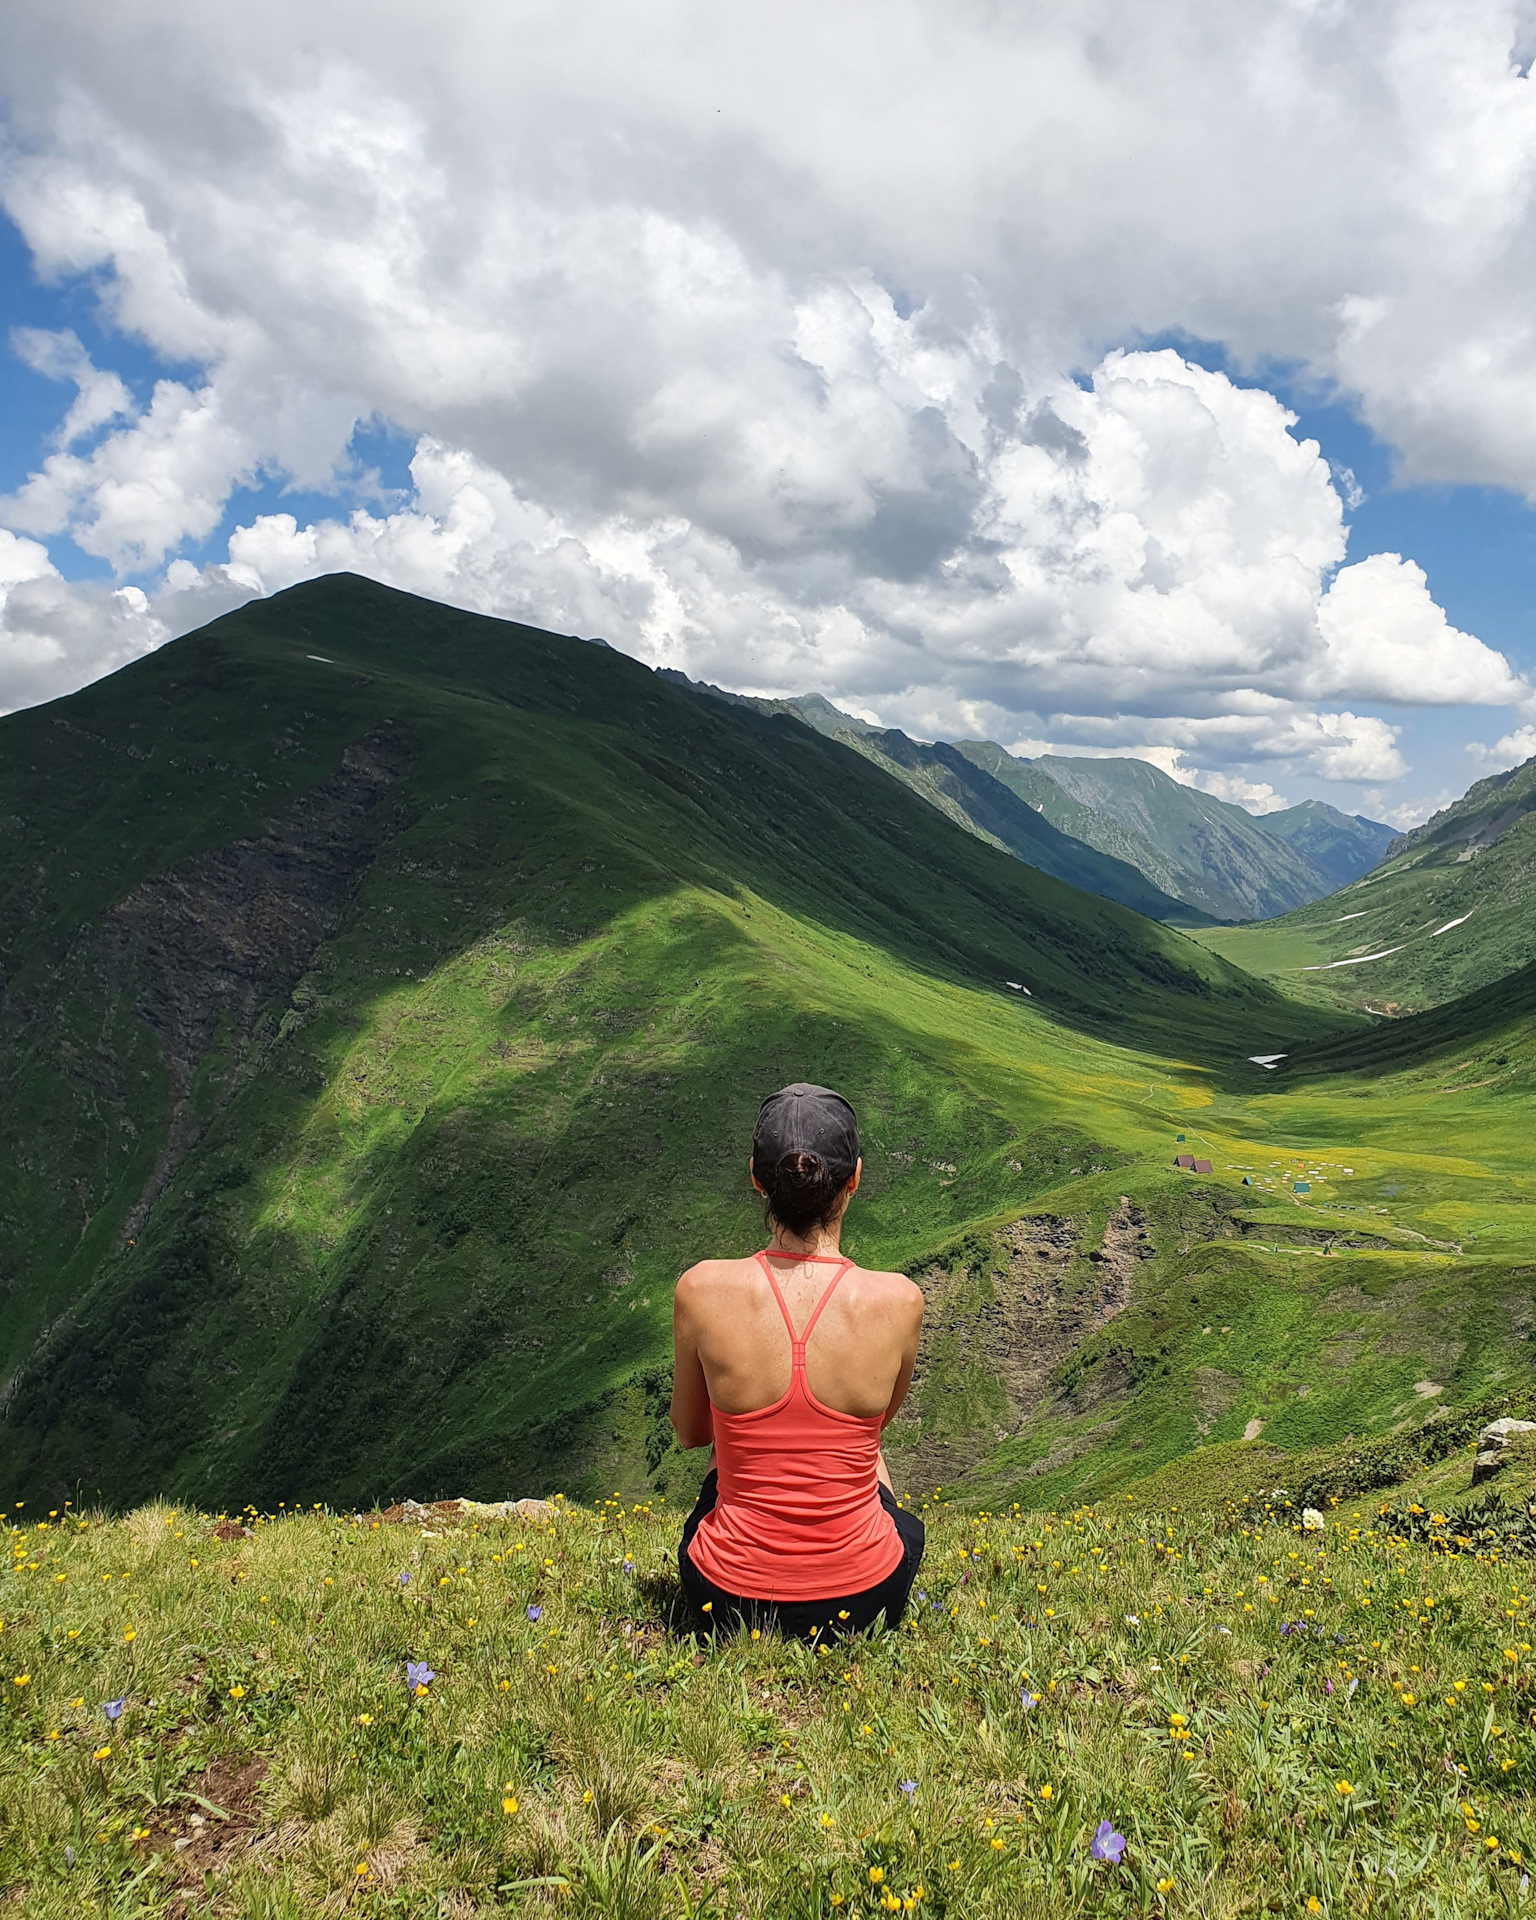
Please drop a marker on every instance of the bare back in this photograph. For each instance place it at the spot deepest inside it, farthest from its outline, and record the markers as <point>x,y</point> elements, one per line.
<point>727,1325</point>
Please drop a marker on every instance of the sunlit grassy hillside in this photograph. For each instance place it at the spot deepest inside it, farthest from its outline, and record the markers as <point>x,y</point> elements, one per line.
<point>1096,1711</point>
<point>1377,1269</point>
<point>1448,913</point>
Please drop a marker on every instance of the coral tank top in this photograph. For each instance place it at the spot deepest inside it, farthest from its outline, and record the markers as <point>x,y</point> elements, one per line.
<point>798,1513</point>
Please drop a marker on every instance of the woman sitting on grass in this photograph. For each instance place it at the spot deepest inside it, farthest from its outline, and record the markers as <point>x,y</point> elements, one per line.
<point>796,1525</point>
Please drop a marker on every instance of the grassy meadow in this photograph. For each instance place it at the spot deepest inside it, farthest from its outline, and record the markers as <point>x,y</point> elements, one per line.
<point>204,1720</point>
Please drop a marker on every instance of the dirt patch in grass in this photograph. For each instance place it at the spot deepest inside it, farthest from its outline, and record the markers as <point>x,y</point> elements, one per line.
<point>208,1833</point>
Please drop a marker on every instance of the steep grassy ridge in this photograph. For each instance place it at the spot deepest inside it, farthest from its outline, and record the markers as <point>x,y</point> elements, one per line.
<point>1120,828</point>
<point>1095,828</point>
<point>387,996</point>
<point>1339,846</point>
<point>1402,1281</point>
<point>1449,910</point>
<point>1204,851</point>
<point>384,1029</point>
<point>993,809</point>
<point>971,797</point>
<point>1379,1269</point>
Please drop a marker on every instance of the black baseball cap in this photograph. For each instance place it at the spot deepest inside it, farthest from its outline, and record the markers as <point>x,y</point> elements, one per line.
<point>806,1119</point>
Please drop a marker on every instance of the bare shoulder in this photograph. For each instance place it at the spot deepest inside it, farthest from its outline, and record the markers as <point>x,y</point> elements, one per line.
<point>711,1278</point>
<point>892,1290</point>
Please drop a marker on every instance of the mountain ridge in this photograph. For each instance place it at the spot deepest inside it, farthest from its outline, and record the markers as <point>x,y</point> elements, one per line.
<point>386,995</point>
<point>1198,855</point>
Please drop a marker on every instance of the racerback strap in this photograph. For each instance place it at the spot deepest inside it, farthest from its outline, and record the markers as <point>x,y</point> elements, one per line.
<point>797,1340</point>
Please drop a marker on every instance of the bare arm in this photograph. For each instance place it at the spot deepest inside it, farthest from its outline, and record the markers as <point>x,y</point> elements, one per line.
<point>903,1381</point>
<point>692,1415</point>
<point>908,1359</point>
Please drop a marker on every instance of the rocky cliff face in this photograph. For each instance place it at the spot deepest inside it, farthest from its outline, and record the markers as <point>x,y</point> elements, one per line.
<point>201,949</point>
<point>997,1329</point>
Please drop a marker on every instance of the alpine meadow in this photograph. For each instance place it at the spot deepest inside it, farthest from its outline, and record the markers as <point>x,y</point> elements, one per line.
<point>386,997</point>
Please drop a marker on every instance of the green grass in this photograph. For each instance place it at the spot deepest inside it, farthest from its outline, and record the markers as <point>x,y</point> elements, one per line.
<point>455,1103</point>
<point>1207,1684</point>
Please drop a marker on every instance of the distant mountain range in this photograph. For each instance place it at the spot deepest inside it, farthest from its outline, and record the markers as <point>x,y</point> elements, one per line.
<point>1117,827</point>
<point>1447,911</point>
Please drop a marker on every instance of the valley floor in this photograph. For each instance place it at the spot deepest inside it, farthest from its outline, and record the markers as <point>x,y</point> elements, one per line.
<point>1107,1711</point>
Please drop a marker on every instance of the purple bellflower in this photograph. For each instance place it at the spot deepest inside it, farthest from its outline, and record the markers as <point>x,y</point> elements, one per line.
<point>418,1675</point>
<point>1106,1844</point>
<point>113,1708</point>
<point>534,1612</point>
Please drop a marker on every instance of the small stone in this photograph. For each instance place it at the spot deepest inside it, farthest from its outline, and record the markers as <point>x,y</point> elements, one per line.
<point>1491,1443</point>
<point>1497,1432</point>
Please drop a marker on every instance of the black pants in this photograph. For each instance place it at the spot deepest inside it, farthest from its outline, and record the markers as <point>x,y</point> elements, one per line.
<point>799,1619</point>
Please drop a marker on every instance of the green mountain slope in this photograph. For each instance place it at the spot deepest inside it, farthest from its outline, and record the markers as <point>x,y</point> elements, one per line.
<point>1340,846</point>
<point>1360,1262</point>
<point>1095,829</point>
<point>971,797</point>
<point>385,999</point>
<point>1191,857</point>
<point>385,996</point>
<point>1212,855</point>
<point>1449,910</point>
<point>967,794</point>
<point>1221,857</point>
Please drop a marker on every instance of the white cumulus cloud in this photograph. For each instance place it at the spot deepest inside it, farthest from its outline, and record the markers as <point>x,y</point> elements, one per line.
<point>1385,639</point>
<point>756,339</point>
<point>1513,750</point>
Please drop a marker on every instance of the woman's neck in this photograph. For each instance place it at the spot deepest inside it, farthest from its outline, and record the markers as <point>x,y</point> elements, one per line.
<point>824,1241</point>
